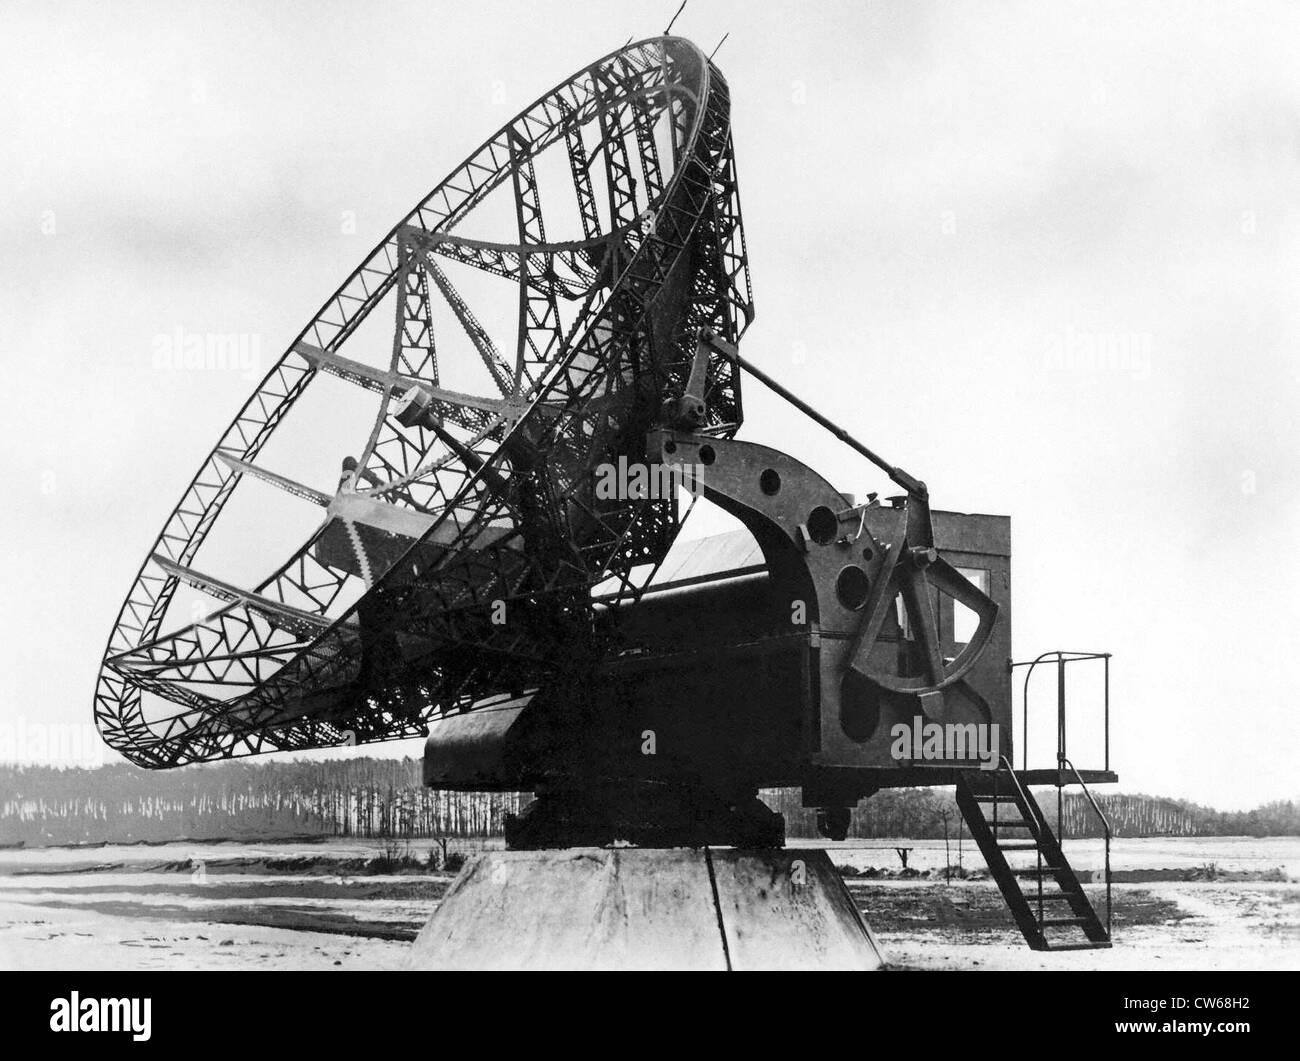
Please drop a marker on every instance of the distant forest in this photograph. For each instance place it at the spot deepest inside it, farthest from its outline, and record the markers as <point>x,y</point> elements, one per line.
<point>384,798</point>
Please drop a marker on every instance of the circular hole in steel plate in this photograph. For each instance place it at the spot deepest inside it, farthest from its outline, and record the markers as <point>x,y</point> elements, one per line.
<point>822,525</point>
<point>852,587</point>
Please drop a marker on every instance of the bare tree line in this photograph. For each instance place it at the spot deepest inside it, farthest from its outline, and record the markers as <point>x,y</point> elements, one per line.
<point>385,798</point>
<point>355,798</point>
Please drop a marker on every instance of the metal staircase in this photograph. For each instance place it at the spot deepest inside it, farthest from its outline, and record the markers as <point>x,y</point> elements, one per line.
<point>1005,819</point>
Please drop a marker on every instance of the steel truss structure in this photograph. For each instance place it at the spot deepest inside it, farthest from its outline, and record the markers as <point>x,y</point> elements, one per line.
<point>462,504</point>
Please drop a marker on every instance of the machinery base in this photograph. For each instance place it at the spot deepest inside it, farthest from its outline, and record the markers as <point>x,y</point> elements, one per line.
<point>647,908</point>
<point>647,816</point>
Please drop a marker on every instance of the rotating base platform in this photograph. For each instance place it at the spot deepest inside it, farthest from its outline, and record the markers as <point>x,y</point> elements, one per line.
<point>647,908</point>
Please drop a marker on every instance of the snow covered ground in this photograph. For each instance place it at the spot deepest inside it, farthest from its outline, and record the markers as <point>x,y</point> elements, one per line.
<point>309,906</point>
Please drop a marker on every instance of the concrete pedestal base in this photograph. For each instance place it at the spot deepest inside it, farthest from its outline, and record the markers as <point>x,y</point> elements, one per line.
<point>641,908</point>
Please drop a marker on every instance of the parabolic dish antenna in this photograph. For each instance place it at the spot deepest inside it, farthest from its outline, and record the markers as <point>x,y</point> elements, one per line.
<point>545,301</point>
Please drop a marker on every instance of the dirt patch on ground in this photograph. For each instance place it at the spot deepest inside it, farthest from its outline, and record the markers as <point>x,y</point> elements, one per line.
<point>971,906</point>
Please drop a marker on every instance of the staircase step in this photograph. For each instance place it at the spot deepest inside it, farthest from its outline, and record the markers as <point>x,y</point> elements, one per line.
<point>978,798</point>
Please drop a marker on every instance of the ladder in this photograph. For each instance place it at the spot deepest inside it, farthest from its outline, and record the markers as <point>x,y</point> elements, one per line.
<point>1004,818</point>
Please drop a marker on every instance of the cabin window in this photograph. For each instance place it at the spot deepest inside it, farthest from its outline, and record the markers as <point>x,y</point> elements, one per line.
<point>964,621</point>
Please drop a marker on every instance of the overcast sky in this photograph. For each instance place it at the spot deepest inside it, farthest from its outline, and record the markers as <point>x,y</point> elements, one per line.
<point>1043,255</point>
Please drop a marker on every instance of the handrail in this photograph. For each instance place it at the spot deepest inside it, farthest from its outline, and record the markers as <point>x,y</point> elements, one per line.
<point>1062,657</point>
<point>1060,824</point>
<point>1105,824</point>
<point>1088,792</point>
<point>1034,809</point>
<point>1011,770</point>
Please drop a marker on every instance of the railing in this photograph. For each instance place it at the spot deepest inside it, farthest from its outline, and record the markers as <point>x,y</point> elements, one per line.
<point>1039,824</point>
<point>1101,816</point>
<point>1062,658</point>
<point>1063,762</point>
